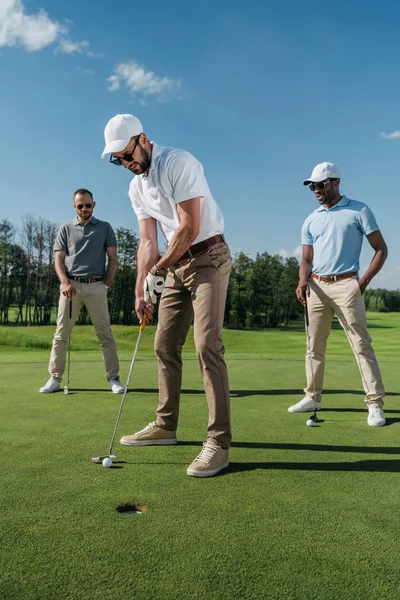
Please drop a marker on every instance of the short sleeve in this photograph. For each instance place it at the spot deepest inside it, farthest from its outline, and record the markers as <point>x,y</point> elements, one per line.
<point>111,240</point>
<point>306,237</point>
<point>61,242</point>
<point>186,175</point>
<point>138,209</point>
<point>367,220</point>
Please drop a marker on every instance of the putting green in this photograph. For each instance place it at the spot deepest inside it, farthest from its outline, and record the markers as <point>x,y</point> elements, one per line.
<point>301,512</point>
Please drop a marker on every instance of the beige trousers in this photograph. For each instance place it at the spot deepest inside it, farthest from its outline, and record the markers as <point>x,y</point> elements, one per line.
<point>94,297</point>
<point>344,299</point>
<point>195,291</point>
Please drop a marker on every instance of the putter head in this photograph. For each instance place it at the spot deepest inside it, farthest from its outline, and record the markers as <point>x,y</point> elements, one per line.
<point>314,418</point>
<point>65,389</point>
<point>99,459</point>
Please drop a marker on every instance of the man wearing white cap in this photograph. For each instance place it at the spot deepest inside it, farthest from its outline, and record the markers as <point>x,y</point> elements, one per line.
<point>329,284</point>
<point>170,189</point>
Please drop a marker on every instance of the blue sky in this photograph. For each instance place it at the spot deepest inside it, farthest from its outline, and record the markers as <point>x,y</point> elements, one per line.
<point>259,92</point>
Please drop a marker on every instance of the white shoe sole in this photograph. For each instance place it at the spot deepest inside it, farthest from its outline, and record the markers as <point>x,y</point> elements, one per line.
<point>50,391</point>
<point>381,424</point>
<point>119,391</point>
<point>172,442</point>
<point>196,473</point>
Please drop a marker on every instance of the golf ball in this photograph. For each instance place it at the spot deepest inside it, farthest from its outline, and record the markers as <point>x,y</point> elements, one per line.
<point>309,423</point>
<point>107,462</point>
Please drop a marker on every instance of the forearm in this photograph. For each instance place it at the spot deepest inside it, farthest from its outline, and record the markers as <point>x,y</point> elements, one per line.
<point>111,270</point>
<point>375,266</point>
<point>60,269</point>
<point>147,256</point>
<point>305,272</point>
<point>180,243</point>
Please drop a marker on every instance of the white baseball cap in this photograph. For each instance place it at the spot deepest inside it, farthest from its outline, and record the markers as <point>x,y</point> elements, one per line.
<point>325,170</point>
<point>118,132</point>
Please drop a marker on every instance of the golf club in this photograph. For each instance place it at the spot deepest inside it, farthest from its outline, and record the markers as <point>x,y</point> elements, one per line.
<point>314,417</point>
<point>69,345</point>
<point>99,459</point>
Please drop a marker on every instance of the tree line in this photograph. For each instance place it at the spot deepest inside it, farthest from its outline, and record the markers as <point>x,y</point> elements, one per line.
<point>261,290</point>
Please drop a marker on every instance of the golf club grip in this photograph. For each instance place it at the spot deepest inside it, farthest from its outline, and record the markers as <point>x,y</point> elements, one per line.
<point>70,309</point>
<point>144,320</point>
<point>306,314</point>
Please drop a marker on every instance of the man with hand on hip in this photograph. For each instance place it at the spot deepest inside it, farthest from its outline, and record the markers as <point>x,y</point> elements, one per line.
<point>170,189</point>
<point>81,248</point>
<point>329,284</point>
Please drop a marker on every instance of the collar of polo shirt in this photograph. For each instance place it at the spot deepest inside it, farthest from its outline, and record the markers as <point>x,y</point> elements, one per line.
<point>93,220</point>
<point>342,202</point>
<point>156,154</point>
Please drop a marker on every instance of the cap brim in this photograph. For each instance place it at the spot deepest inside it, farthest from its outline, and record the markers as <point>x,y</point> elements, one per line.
<point>115,146</point>
<point>308,181</point>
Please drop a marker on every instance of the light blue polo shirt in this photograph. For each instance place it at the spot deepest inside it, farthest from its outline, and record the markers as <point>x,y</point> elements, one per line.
<point>336,235</point>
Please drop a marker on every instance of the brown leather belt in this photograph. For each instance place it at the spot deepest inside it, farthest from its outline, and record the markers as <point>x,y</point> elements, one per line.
<point>199,248</point>
<point>335,277</point>
<point>86,279</point>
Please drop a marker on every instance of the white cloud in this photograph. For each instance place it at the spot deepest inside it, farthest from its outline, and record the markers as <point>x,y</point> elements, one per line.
<point>35,32</point>
<point>297,252</point>
<point>391,136</point>
<point>139,81</point>
<point>69,47</point>
<point>32,32</point>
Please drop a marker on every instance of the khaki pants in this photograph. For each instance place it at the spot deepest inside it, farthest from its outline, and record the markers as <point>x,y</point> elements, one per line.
<point>195,291</point>
<point>344,299</point>
<point>94,297</point>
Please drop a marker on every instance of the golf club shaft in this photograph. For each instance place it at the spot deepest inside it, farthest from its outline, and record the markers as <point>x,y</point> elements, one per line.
<point>310,355</point>
<point>69,339</point>
<point>141,329</point>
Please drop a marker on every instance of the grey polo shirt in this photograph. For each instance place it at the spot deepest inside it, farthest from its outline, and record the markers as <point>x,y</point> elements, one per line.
<point>85,246</point>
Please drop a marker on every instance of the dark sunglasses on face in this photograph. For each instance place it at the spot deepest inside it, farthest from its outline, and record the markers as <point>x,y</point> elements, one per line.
<point>128,157</point>
<point>320,185</point>
<point>80,206</point>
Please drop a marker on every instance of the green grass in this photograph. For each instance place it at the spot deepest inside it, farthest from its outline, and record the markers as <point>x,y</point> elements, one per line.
<point>301,514</point>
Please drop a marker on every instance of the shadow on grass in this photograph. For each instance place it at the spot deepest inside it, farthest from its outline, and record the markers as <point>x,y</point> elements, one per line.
<point>370,466</point>
<point>319,447</point>
<point>236,393</point>
<point>312,447</point>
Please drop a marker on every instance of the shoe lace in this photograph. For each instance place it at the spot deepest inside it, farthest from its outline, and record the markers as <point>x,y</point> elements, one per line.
<point>207,453</point>
<point>148,428</point>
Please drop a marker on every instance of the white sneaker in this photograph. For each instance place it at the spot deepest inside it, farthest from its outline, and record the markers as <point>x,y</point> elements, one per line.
<point>51,386</point>
<point>305,405</point>
<point>116,386</point>
<point>376,417</point>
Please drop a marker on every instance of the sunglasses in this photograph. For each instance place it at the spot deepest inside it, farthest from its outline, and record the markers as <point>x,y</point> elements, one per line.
<point>80,206</point>
<point>128,157</point>
<point>320,185</point>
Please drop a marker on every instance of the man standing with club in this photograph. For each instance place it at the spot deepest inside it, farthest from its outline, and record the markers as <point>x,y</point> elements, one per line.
<point>170,189</point>
<point>81,248</point>
<point>329,284</point>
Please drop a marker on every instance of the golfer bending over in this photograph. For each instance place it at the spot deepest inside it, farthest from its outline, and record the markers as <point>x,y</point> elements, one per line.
<point>332,237</point>
<point>170,189</point>
<point>81,249</point>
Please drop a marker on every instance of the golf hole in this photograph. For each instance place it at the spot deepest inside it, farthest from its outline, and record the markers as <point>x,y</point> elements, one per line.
<point>131,509</point>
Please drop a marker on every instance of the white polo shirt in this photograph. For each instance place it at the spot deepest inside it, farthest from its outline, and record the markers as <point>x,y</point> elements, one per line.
<point>174,176</point>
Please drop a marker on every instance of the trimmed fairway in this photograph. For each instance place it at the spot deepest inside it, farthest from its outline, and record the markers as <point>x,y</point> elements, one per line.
<point>301,513</point>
